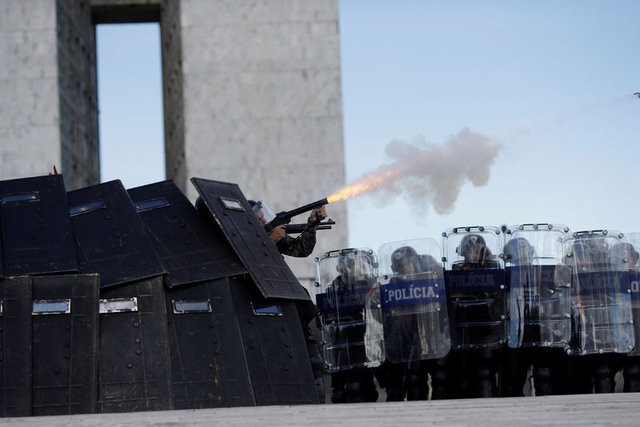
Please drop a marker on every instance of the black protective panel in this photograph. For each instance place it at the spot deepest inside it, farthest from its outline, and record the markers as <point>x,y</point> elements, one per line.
<point>15,346</point>
<point>275,347</point>
<point>35,225</point>
<point>208,365</point>
<point>110,236</point>
<point>261,258</point>
<point>65,325</point>
<point>134,368</point>
<point>191,249</point>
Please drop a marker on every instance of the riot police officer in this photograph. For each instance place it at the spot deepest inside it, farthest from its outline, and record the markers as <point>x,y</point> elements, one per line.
<point>355,384</point>
<point>539,308</point>
<point>403,379</point>
<point>300,246</point>
<point>602,315</point>
<point>625,256</point>
<point>416,329</point>
<point>477,310</point>
<point>341,305</point>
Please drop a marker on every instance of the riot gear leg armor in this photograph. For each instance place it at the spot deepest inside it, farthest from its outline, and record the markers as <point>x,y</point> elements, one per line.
<point>438,373</point>
<point>631,375</point>
<point>417,381</point>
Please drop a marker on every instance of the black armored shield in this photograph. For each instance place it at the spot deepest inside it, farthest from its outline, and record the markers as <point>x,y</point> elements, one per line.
<point>275,347</point>
<point>65,331</point>
<point>232,213</point>
<point>134,369</point>
<point>15,352</point>
<point>35,226</point>
<point>111,238</point>
<point>208,364</point>
<point>191,249</point>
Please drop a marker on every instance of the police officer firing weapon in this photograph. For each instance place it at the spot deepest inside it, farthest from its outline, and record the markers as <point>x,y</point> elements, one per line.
<point>277,227</point>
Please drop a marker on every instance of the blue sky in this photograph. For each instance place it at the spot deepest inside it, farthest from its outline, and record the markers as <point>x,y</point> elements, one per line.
<point>552,82</point>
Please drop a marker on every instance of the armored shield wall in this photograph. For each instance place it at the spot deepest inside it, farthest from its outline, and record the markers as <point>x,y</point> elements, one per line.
<point>36,235</point>
<point>230,209</point>
<point>208,364</point>
<point>65,325</point>
<point>15,349</point>
<point>275,347</point>
<point>111,238</point>
<point>191,249</point>
<point>134,366</point>
<point>134,351</point>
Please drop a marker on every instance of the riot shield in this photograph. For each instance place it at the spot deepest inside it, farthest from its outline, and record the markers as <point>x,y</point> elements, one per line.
<point>539,286</point>
<point>626,256</point>
<point>475,284</point>
<point>275,347</point>
<point>208,364</point>
<point>227,206</point>
<point>208,367</point>
<point>15,352</point>
<point>601,297</point>
<point>64,352</point>
<point>111,238</point>
<point>413,301</point>
<point>134,365</point>
<point>35,227</point>
<point>345,280</point>
<point>191,249</point>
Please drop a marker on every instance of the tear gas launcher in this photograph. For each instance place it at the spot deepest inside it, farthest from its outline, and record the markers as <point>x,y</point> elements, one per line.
<point>299,228</point>
<point>285,217</point>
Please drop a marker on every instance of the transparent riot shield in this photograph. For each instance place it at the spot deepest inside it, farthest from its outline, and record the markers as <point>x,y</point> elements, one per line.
<point>413,301</point>
<point>626,255</point>
<point>475,283</point>
<point>601,300</point>
<point>539,286</point>
<point>351,334</point>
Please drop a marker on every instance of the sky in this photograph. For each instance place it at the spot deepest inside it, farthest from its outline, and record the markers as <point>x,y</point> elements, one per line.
<point>548,85</point>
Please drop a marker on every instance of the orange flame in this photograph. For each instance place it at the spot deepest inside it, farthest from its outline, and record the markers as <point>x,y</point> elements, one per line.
<point>364,185</point>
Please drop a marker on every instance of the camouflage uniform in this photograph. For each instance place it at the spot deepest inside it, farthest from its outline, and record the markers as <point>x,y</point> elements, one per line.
<point>300,246</point>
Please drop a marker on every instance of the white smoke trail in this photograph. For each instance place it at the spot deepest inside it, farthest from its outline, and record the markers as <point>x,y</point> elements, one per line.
<point>428,174</point>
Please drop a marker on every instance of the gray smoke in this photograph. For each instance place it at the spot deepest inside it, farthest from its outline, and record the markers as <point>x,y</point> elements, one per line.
<point>429,174</point>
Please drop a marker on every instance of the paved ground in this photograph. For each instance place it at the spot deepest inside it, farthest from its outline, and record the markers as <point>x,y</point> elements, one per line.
<point>616,409</point>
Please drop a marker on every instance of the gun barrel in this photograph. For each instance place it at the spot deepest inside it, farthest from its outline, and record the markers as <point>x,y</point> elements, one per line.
<point>285,217</point>
<point>307,207</point>
<point>299,228</point>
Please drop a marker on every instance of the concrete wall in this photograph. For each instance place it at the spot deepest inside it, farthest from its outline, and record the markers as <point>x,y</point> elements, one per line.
<point>262,102</point>
<point>29,88</point>
<point>48,92</point>
<point>78,94</point>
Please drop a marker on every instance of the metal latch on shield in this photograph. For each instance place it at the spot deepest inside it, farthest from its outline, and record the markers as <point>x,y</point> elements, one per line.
<point>50,306</point>
<point>118,305</point>
<point>28,197</point>
<point>187,306</point>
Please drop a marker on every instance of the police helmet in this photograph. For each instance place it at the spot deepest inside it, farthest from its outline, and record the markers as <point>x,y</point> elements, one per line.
<point>470,241</point>
<point>348,261</point>
<point>518,249</point>
<point>401,255</point>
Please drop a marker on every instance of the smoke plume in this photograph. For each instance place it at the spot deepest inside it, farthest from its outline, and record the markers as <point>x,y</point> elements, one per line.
<point>429,174</point>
